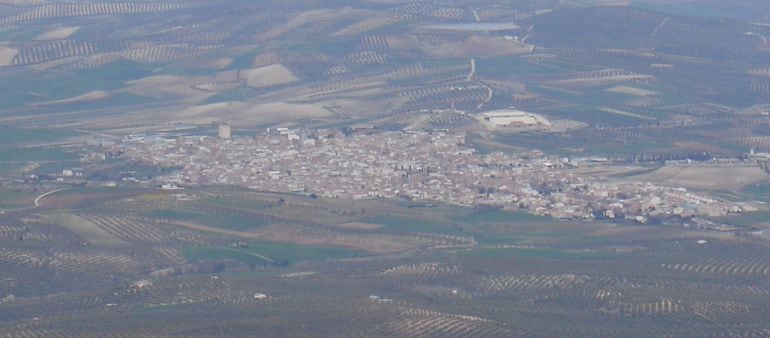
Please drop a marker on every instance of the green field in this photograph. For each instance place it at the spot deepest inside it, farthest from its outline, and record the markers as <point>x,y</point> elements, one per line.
<point>35,154</point>
<point>748,219</point>
<point>684,9</point>
<point>237,94</point>
<point>270,253</point>
<point>9,168</point>
<point>505,67</point>
<point>14,159</point>
<point>499,216</point>
<point>532,253</point>
<point>17,91</point>
<point>228,222</point>
<point>465,224</point>
<point>238,203</point>
<point>10,137</point>
<point>427,79</point>
<point>759,191</point>
<point>398,224</point>
<point>14,198</point>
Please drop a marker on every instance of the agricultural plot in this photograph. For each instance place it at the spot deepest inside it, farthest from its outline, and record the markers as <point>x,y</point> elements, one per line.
<point>130,230</point>
<point>713,178</point>
<point>216,220</point>
<point>413,274</point>
<point>89,231</point>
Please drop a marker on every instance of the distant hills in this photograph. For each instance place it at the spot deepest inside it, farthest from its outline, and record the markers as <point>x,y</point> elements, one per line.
<point>385,64</point>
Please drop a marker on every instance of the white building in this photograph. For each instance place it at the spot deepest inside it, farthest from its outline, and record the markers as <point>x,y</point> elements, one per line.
<point>224,131</point>
<point>513,118</point>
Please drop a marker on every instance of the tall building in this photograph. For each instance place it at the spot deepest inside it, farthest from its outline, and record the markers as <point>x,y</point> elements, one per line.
<point>224,131</point>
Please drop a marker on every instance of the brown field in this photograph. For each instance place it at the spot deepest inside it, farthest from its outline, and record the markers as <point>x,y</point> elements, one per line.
<point>490,46</point>
<point>6,55</point>
<point>86,229</point>
<point>633,91</point>
<point>245,113</point>
<point>220,63</point>
<point>268,76</point>
<point>359,226</point>
<point>163,85</point>
<point>705,177</point>
<point>60,33</point>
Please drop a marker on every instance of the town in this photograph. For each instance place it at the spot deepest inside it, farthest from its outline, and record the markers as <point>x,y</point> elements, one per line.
<point>415,165</point>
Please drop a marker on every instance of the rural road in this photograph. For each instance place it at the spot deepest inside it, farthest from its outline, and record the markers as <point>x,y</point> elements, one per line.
<point>42,196</point>
<point>473,70</point>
